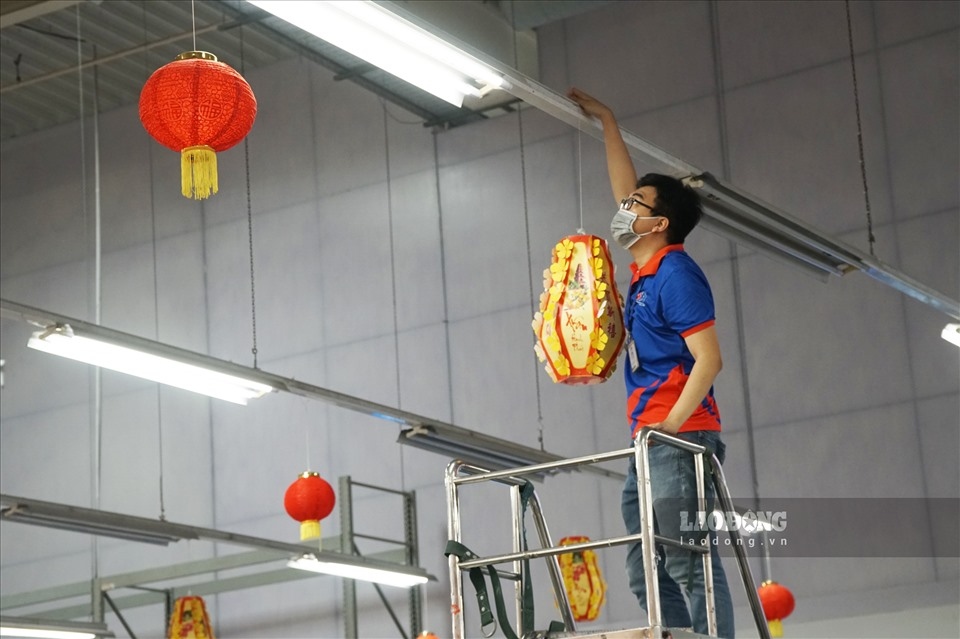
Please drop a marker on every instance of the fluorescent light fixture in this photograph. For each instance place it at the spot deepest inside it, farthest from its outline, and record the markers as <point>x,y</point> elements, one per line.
<point>46,629</point>
<point>489,453</point>
<point>473,447</point>
<point>91,521</point>
<point>392,43</point>
<point>61,339</point>
<point>382,573</point>
<point>951,333</point>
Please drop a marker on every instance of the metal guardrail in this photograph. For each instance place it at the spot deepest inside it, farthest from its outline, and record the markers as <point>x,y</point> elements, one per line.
<point>460,473</point>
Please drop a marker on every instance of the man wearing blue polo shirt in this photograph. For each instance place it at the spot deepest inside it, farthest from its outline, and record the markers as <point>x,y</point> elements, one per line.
<point>673,357</point>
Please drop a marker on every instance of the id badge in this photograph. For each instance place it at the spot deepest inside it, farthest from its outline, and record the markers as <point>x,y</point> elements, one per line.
<point>632,356</point>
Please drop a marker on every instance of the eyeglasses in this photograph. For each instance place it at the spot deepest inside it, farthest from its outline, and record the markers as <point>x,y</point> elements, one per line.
<point>628,202</point>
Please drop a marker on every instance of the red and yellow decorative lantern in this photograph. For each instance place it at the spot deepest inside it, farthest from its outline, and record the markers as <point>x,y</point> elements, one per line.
<point>579,327</point>
<point>197,106</point>
<point>308,500</point>
<point>189,620</point>
<point>778,603</point>
<point>582,578</point>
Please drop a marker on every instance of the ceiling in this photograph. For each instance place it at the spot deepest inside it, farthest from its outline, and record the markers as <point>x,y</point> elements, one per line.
<point>44,45</point>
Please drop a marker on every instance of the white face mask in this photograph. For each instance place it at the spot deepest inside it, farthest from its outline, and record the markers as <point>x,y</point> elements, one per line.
<point>621,227</point>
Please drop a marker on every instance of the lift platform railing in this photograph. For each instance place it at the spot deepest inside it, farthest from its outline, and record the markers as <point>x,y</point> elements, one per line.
<point>460,473</point>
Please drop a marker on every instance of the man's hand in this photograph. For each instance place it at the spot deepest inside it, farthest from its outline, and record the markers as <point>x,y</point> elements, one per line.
<point>665,427</point>
<point>589,104</point>
<point>623,175</point>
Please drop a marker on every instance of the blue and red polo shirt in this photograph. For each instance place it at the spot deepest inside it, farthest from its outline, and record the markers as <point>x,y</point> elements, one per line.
<point>669,300</point>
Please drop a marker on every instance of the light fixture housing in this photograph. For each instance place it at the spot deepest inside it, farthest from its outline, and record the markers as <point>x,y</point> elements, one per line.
<point>387,40</point>
<point>951,333</point>
<point>491,453</point>
<point>48,629</point>
<point>77,344</point>
<point>380,572</point>
<point>91,521</point>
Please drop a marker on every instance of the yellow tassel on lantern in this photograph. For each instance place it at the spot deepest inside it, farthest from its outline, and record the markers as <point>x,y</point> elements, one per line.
<point>198,172</point>
<point>776,627</point>
<point>309,529</point>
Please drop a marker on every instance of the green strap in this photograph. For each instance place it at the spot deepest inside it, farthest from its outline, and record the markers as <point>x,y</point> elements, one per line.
<point>526,585</point>
<point>483,600</point>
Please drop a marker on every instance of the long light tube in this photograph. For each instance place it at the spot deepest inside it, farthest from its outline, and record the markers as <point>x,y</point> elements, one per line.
<point>62,340</point>
<point>400,577</point>
<point>388,41</point>
<point>44,629</point>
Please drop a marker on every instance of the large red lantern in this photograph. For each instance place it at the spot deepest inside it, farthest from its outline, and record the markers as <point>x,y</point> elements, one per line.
<point>308,500</point>
<point>197,106</point>
<point>778,603</point>
<point>189,620</point>
<point>579,327</point>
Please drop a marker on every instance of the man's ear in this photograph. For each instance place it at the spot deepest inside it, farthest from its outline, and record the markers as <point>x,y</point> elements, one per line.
<point>662,224</point>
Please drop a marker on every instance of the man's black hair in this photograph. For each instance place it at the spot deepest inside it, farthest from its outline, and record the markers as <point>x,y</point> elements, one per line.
<point>675,201</point>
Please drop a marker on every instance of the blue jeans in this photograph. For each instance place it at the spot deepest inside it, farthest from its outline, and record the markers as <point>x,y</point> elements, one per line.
<point>673,487</point>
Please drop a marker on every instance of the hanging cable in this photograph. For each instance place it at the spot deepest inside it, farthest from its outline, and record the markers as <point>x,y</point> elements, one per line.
<point>526,228</point>
<point>156,286</point>
<point>393,271</point>
<point>856,100</point>
<point>580,174</point>
<point>193,19</point>
<point>306,435</point>
<point>443,272</point>
<point>246,167</point>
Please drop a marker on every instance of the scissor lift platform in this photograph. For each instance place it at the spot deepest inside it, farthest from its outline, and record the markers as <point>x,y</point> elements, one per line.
<point>460,473</point>
<point>634,633</point>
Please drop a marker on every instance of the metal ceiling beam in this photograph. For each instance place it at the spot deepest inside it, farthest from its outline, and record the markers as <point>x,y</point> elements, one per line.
<point>107,58</point>
<point>13,12</point>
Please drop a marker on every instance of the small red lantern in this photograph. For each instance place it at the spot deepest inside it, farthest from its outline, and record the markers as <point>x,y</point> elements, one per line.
<point>189,620</point>
<point>778,603</point>
<point>197,106</point>
<point>308,500</point>
<point>579,326</point>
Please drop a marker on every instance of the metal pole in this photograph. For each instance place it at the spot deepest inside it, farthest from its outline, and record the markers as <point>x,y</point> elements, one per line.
<point>641,459</point>
<point>562,550</point>
<point>517,525</point>
<point>453,533</point>
<point>723,495</point>
<point>707,558</point>
<point>511,475</point>
<point>413,559</point>
<point>553,565</point>
<point>346,547</point>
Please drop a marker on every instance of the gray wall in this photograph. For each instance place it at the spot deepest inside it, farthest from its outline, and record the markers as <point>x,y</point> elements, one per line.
<point>408,283</point>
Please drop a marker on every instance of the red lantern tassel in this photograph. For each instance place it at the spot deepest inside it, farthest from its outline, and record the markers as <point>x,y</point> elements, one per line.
<point>198,172</point>
<point>776,628</point>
